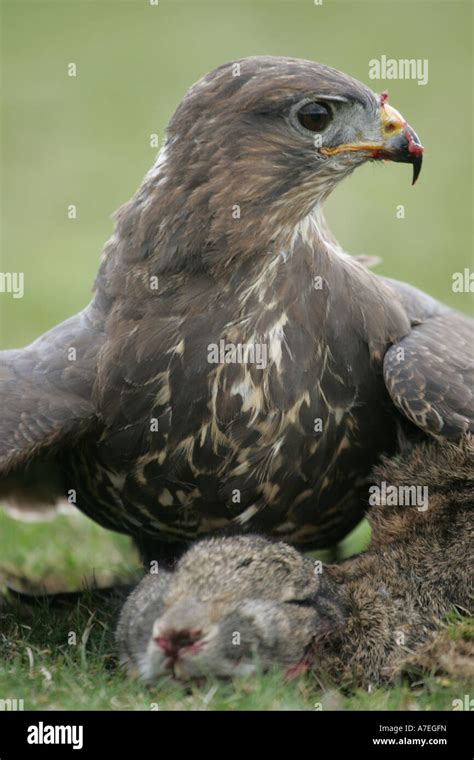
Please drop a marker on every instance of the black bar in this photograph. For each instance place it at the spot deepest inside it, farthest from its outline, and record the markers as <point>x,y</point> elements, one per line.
<point>374,734</point>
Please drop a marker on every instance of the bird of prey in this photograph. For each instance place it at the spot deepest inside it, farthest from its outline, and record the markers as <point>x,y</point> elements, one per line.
<point>236,370</point>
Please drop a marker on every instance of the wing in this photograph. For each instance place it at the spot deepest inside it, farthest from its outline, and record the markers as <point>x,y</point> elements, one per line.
<point>430,372</point>
<point>45,396</point>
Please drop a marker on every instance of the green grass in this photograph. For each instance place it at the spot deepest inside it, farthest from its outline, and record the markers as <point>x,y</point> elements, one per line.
<point>63,657</point>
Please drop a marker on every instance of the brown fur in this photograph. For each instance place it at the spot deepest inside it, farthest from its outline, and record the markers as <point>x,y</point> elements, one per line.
<point>417,568</point>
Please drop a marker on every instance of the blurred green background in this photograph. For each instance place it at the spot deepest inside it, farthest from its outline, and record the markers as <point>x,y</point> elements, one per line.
<point>85,140</point>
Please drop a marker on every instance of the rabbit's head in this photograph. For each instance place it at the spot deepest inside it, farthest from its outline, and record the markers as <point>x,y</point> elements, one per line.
<point>230,607</point>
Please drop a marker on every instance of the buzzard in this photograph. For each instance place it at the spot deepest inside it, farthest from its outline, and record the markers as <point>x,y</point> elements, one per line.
<point>236,370</point>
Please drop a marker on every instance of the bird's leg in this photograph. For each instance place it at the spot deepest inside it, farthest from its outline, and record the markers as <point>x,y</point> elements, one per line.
<point>334,553</point>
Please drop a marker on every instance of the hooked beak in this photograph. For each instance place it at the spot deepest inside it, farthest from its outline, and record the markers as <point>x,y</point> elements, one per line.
<point>399,141</point>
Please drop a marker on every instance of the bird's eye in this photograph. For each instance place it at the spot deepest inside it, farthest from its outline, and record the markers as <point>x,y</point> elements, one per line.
<point>314,116</point>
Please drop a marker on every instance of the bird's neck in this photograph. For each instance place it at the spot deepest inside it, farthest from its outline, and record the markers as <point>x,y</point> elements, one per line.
<point>190,224</point>
<point>189,215</point>
<point>295,270</point>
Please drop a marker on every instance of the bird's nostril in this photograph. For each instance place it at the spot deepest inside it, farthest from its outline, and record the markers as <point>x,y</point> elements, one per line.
<point>172,641</point>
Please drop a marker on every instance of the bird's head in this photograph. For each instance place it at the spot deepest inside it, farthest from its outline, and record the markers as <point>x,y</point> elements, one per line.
<point>264,140</point>
<point>298,124</point>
